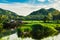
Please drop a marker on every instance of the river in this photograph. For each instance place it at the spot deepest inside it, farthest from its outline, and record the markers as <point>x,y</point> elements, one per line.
<point>15,37</point>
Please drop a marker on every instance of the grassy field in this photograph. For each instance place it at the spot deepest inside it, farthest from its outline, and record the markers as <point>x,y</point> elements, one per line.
<point>44,29</point>
<point>30,23</point>
<point>49,28</point>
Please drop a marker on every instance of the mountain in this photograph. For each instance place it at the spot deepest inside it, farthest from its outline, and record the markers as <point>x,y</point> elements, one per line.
<point>35,15</point>
<point>41,13</point>
<point>52,10</point>
<point>8,14</point>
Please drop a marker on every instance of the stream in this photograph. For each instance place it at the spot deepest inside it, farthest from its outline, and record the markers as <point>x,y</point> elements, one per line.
<point>15,37</point>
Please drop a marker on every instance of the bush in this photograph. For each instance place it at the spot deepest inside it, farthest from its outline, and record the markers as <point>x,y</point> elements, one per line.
<point>57,28</point>
<point>19,32</point>
<point>1,28</point>
<point>25,32</point>
<point>39,31</point>
<point>49,31</point>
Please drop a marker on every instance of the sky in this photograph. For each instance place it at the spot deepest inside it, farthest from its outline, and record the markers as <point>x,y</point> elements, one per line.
<point>25,7</point>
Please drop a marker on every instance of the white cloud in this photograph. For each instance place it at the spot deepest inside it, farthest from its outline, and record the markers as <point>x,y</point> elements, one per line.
<point>53,0</point>
<point>42,0</point>
<point>25,9</point>
<point>21,9</point>
<point>50,0</point>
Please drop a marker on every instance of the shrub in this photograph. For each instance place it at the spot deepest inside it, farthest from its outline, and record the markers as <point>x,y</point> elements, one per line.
<point>39,31</point>
<point>1,28</point>
<point>27,32</point>
<point>49,31</point>
<point>19,32</point>
<point>57,28</point>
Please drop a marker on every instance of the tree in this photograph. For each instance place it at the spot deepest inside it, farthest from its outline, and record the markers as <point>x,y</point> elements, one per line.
<point>3,18</point>
<point>39,31</point>
<point>45,19</point>
<point>49,17</point>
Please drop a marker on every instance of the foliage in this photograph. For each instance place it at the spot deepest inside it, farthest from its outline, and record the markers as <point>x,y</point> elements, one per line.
<point>19,32</point>
<point>51,14</point>
<point>39,31</point>
<point>57,28</point>
<point>35,29</point>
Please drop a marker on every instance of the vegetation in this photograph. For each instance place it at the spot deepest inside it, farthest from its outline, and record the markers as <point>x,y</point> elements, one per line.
<point>51,14</point>
<point>39,31</point>
<point>39,24</point>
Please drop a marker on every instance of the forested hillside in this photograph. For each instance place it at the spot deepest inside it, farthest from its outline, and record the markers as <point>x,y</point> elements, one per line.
<point>41,13</point>
<point>8,15</point>
<point>37,25</point>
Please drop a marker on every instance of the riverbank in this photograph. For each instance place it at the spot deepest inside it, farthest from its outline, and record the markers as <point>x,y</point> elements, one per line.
<point>15,37</point>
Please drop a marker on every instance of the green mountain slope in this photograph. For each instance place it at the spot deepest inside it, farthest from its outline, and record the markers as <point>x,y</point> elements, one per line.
<point>41,13</point>
<point>8,14</point>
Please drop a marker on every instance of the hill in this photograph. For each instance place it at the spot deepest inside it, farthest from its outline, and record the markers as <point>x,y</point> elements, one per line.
<point>35,15</point>
<point>8,14</point>
<point>44,11</point>
<point>41,13</point>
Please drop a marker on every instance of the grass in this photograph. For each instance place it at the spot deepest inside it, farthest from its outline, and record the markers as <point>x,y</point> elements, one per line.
<point>30,23</point>
<point>48,27</point>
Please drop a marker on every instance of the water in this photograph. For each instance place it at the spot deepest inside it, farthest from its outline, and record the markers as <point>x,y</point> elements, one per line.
<point>57,37</point>
<point>15,37</point>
